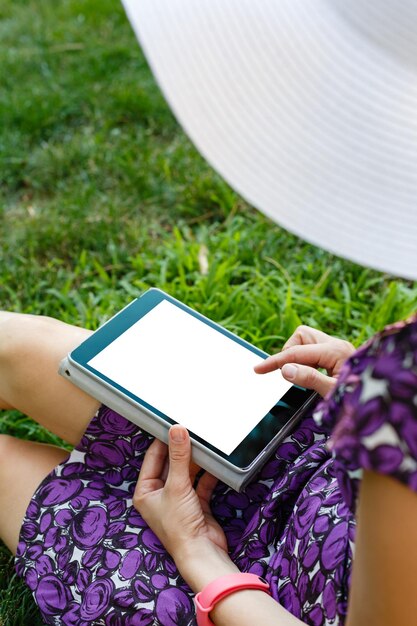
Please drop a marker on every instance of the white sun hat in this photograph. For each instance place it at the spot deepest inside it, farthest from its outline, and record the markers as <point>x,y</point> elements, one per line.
<point>307,108</point>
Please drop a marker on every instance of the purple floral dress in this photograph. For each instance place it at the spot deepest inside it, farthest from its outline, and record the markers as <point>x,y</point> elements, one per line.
<point>89,558</point>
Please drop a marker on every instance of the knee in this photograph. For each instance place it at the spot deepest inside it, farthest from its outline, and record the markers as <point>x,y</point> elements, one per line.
<point>7,446</point>
<point>19,334</point>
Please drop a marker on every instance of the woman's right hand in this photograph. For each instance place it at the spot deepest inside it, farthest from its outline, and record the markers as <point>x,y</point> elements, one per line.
<point>305,351</point>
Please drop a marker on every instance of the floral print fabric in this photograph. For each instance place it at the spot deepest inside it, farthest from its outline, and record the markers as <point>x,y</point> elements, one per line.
<point>89,557</point>
<point>373,411</point>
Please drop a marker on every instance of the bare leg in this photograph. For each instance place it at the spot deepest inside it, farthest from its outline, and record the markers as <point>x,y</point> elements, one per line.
<point>31,348</point>
<point>23,466</point>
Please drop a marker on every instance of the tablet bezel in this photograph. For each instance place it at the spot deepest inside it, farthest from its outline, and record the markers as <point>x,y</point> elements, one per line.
<point>244,454</point>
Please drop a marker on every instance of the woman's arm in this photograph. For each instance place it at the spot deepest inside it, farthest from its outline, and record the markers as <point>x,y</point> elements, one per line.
<point>180,516</point>
<point>199,565</point>
<point>242,608</point>
<point>383,591</point>
<point>384,582</point>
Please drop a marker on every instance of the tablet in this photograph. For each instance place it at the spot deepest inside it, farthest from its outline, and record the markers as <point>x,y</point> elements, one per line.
<point>174,365</point>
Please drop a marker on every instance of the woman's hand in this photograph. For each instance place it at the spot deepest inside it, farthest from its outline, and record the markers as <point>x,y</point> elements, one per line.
<point>305,351</point>
<point>178,514</point>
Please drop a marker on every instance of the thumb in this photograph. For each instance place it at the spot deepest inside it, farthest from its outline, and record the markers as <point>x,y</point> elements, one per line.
<point>308,377</point>
<point>179,456</point>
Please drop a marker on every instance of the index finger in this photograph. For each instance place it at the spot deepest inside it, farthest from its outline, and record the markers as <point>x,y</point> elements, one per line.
<point>316,355</point>
<point>154,461</point>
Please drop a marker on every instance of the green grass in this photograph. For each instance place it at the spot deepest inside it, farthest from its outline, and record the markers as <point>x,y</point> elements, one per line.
<point>103,196</point>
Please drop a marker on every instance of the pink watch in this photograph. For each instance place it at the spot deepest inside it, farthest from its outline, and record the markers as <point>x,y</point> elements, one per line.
<point>218,589</point>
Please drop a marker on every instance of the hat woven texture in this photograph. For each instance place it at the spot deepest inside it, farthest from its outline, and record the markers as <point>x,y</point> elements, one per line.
<point>307,108</point>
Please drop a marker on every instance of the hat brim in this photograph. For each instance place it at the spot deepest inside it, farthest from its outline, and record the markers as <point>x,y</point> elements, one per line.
<point>313,122</point>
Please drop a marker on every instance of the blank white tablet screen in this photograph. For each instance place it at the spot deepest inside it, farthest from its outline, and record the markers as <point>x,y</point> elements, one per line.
<point>192,373</point>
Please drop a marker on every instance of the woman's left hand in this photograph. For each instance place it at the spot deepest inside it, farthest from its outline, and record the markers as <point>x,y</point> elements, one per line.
<point>178,514</point>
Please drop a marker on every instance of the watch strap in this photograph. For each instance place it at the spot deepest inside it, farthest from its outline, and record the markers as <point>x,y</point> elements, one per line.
<point>221,587</point>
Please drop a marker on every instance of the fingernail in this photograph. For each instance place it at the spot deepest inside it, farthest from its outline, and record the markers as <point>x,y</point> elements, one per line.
<point>289,371</point>
<point>178,435</point>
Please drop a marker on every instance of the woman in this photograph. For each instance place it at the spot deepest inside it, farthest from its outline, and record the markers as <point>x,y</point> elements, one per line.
<point>302,106</point>
<point>86,546</point>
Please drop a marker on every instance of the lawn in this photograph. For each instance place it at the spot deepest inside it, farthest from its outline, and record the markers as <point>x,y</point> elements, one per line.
<point>102,196</point>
